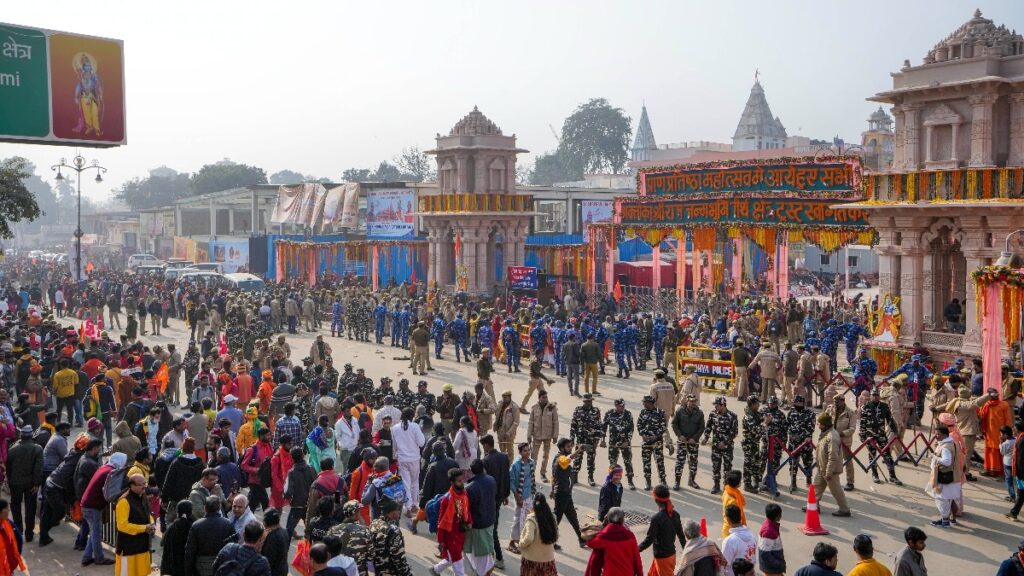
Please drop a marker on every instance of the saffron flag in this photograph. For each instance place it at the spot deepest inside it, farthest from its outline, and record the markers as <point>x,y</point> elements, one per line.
<point>163,375</point>
<point>458,245</point>
<point>617,292</point>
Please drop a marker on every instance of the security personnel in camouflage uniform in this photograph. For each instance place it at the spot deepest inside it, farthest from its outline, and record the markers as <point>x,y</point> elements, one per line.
<point>586,430</point>
<point>618,425</point>
<point>774,439</point>
<point>688,424</point>
<point>331,373</point>
<point>387,547</point>
<point>650,424</point>
<point>874,415</point>
<point>753,433</point>
<point>424,398</point>
<point>405,397</point>
<point>355,537</point>
<point>799,427</point>
<point>722,428</point>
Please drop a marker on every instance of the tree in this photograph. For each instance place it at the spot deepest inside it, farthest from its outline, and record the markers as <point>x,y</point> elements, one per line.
<point>417,165</point>
<point>595,138</point>
<point>357,175</point>
<point>225,176</point>
<point>552,167</point>
<point>16,202</point>
<point>385,172</point>
<point>44,195</point>
<point>287,177</point>
<point>154,191</point>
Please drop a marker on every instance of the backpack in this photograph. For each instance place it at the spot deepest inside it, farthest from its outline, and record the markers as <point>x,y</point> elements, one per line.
<point>433,510</point>
<point>114,485</point>
<point>234,567</point>
<point>392,487</point>
<point>92,406</point>
<point>263,473</point>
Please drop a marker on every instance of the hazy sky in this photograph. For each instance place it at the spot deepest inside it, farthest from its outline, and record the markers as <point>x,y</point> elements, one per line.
<point>318,87</point>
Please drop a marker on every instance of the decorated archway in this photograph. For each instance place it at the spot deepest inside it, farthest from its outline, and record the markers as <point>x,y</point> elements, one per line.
<point>731,222</point>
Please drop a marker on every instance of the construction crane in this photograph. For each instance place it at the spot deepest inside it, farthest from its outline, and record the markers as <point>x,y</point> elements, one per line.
<point>555,134</point>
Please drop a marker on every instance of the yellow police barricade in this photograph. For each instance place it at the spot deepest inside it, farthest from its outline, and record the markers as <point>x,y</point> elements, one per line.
<point>715,375</point>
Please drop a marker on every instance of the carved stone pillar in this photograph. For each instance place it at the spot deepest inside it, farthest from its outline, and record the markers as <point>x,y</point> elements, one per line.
<point>981,129</point>
<point>912,136</point>
<point>928,143</point>
<point>656,267</point>
<point>928,270</point>
<point>469,262</point>
<point>911,303</point>
<point>1016,157</point>
<point>899,133</point>
<point>431,258</point>
<point>975,254</point>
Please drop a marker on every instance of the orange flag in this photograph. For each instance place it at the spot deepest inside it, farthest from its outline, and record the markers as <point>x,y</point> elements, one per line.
<point>163,375</point>
<point>617,292</point>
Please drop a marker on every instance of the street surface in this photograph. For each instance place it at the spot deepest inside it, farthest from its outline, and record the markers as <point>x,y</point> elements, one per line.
<point>976,546</point>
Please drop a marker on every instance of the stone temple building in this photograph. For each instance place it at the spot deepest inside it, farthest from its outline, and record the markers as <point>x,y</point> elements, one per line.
<point>476,222</point>
<point>758,129</point>
<point>955,191</point>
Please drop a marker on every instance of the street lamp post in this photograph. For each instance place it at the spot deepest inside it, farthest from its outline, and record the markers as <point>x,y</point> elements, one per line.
<point>78,165</point>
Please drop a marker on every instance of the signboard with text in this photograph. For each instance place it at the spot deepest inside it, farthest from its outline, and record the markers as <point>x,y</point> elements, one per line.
<point>522,277</point>
<point>839,178</point>
<point>390,214</point>
<point>61,88</point>
<point>751,211</point>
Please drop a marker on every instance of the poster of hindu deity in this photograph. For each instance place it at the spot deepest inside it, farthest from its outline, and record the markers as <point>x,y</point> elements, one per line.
<point>87,78</point>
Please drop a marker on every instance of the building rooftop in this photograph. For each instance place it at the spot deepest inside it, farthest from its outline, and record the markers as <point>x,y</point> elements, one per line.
<point>979,36</point>
<point>475,124</point>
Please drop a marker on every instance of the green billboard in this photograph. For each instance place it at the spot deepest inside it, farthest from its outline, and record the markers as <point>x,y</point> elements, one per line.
<point>24,83</point>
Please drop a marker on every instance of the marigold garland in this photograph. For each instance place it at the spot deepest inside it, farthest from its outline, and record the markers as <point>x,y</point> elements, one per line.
<point>1010,282</point>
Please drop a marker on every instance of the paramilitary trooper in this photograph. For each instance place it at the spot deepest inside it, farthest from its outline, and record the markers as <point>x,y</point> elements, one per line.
<point>799,427</point>
<point>585,429</point>
<point>772,443</point>
<point>618,425</point>
<point>688,424</point>
<point>650,425</point>
<point>753,433</point>
<point>874,416</point>
<point>722,428</point>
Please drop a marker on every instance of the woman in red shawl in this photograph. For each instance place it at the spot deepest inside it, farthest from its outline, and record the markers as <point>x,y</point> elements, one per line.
<point>453,521</point>
<point>615,550</point>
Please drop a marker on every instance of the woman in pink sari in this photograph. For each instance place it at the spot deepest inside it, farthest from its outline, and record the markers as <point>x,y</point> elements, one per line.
<point>949,421</point>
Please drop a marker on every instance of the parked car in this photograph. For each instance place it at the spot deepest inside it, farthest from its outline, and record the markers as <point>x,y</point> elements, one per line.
<point>178,263</point>
<point>210,267</point>
<point>202,277</point>
<point>245,282</point>
<point>150,269</point>
<point>136,260</point>
<point>175,273</point>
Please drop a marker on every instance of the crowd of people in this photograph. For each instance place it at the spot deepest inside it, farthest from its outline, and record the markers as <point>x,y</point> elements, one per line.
<point>226,448</point>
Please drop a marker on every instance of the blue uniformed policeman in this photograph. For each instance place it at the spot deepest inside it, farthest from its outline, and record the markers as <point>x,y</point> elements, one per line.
<point>437,333</point>
<point>459,331</point>
<point>380,314</point>
<point>510,340</point>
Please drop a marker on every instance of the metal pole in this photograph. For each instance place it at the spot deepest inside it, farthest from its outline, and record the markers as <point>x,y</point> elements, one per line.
<point>78,233</point>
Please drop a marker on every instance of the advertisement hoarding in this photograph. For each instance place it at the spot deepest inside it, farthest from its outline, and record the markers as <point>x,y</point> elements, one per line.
<point>390,214</point>
<point>593,212</point>
<point>61,88</point>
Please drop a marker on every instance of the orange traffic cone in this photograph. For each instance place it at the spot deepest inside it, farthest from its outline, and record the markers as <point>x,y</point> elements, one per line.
<point>812,521</point>
<point>704,527</point>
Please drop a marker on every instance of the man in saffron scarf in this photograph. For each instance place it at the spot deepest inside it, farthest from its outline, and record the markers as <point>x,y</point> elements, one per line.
<point>360,476</point>
<point>665,527</point>
<point>249,430</point>
<point>453,521</point>
<point>995,414</point>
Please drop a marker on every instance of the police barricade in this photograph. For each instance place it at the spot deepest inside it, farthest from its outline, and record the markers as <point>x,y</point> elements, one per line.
<point>715,375</point>
<point>913,452</point>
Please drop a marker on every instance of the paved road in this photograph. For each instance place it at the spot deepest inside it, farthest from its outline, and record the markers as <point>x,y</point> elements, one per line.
<point>883,511</point>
